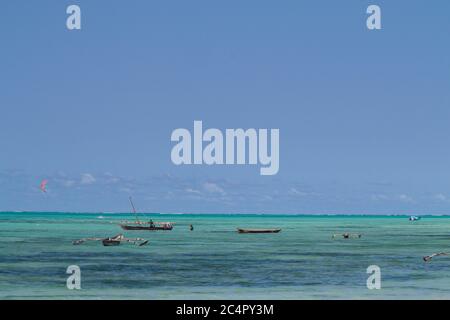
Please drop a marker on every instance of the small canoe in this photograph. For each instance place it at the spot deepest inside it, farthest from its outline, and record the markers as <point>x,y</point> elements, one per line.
<point>111,242</point>
<point>258,230</point>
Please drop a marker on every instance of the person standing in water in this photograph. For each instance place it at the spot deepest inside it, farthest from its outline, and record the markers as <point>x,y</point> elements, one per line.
<point>191,227</point>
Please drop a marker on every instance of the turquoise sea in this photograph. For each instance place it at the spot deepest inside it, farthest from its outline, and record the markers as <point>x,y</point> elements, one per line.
<point>215,262</point>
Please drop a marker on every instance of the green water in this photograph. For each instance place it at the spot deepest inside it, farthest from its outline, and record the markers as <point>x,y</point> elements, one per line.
<point>215,262</point>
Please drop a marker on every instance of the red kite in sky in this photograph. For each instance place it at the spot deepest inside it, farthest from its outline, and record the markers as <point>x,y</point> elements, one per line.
<point>43,185</point>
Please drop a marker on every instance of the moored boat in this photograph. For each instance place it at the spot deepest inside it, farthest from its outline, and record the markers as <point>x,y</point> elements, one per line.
<point>258,230</point>
<point>144,225</point>
<point>149,226</point>
<point>114,241</point>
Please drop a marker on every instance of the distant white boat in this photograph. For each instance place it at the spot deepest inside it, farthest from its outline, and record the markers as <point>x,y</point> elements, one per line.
<point>414,218</point>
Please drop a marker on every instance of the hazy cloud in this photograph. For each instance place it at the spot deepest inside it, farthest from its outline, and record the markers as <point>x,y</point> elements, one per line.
<point>296,192</point>
<point>441,197</point>
<point>213,188</point>
<point>170,193</point>
<point>379,197</point>
<point>405,198</point>
<point>87,178</point>
<point>68,183</point>
<point>190,190</point>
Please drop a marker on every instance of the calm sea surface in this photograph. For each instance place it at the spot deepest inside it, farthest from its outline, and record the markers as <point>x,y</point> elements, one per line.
<point>215,262</point>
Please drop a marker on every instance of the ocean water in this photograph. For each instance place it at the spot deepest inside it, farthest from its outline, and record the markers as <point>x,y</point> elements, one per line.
<point>215,262</point>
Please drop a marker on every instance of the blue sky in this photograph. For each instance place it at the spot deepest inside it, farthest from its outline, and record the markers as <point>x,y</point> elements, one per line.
<point>363,115</point>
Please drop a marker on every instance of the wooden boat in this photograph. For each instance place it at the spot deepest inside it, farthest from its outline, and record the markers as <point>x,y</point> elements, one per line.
<point>114,241</point>
<point>149,226</point>
<point>258,230</point>
<point>143,225</point>
<point>428,258</point>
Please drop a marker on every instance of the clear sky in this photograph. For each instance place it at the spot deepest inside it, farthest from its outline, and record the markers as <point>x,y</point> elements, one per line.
<point>364,116</point>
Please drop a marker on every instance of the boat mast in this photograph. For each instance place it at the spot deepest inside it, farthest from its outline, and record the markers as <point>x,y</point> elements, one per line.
<point>134,209</point>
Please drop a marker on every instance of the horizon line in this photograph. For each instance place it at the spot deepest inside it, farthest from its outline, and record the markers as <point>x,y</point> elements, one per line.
<point>234,214</point>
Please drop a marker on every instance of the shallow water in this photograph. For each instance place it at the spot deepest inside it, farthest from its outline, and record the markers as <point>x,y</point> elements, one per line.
<point>214,261</point>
